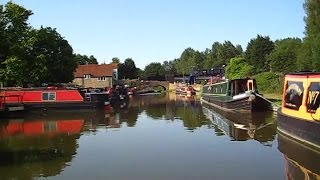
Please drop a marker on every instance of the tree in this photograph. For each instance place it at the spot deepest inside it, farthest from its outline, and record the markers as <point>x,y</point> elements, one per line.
<point>209,60</point>
<point>238,68</point>
<point>58,54</point>
<point>311,48</point>
<point>257,51</point>
<point>169,67</point>
<point>15,42</point>
<point>28,55</point>
<point>284,56</point>
<point>115,60</point>
<point>92,60</point>
<point>154,70</point>
<point>11,73</point>
<point>225,52</point>
<point>189,60</point>
<point>128,69</point>
<point>15,18</point>
<point>84,59</point>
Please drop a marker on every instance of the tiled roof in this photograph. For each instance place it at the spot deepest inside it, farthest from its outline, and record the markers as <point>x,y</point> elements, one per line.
<point>96,70</point>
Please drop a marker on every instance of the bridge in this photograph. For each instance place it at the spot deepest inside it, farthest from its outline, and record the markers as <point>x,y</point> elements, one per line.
<point>163,84</point>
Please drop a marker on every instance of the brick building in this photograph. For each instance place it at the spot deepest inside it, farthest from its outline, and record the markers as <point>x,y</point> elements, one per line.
<point>96,75</point>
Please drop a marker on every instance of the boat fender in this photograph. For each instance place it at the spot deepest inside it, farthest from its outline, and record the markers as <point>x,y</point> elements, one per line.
<point>252,97</point>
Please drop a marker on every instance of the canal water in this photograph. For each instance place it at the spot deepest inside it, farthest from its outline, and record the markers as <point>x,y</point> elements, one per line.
<point>152,137</point>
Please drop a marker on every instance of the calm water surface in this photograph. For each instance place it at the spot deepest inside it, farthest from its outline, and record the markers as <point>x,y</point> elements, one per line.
<point>155,137</point>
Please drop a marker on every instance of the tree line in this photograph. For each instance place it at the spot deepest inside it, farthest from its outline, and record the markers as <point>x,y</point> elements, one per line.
<point>262,57</point>
<point>33,56</point>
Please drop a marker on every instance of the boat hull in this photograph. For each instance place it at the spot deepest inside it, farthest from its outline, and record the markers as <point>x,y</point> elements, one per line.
<point>250,103</point>
<point>302,130</point>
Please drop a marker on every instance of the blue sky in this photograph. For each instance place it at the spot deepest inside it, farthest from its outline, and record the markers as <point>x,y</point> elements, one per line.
<point>158,30</point>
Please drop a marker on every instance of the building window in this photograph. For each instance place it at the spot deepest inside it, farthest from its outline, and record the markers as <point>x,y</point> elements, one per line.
<point>48,96</point>
<point>87,76</point>
<point>102,78</point>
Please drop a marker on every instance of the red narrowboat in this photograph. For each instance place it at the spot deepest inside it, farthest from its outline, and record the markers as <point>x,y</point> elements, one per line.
<point>50,99</point>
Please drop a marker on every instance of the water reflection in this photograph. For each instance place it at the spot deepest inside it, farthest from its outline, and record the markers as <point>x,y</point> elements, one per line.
<point>241,127</point>
<point>34,147</point>
<point>43,145</point>
<point>301,162</point>
<point>171,107</point>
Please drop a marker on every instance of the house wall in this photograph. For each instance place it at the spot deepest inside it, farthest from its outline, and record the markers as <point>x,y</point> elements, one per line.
<point>93,82</point>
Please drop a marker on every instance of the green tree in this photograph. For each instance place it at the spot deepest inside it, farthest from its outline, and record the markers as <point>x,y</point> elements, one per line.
<point>127,69</point>
<point>304,57</point>
<point>208,59</point>
<point>238,68</point>
<point>92,60</point>
<point>84,59</point>
<point>15,42</point>
<point>154,69</point>
<point>58,55</point>
<point>284,56</point>
<point>257,51</point>
<point>169,67</point>
<point>115,60</point>
<point>11,72</point>
<point>225,52</point>
<point>16,26</point>
<point>189,60</point>
<point>311,48</point>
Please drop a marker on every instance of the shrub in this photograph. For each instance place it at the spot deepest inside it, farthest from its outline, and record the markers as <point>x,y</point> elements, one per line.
<point>269,82</point>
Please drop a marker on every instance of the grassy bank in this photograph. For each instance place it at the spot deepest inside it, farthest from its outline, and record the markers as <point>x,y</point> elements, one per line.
<point>274,98</point>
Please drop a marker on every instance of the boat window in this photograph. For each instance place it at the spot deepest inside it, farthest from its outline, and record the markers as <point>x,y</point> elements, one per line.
<point>48,96</point>
<point>293,95</point>
<point>313,99</point>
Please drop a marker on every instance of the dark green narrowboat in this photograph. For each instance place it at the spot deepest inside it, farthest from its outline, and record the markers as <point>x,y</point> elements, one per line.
<point>235,95</point>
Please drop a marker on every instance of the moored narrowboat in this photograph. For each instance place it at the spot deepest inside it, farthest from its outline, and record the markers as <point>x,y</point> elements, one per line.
<point>51,99</point>
<point>299,115</point>
<point>235,95</point>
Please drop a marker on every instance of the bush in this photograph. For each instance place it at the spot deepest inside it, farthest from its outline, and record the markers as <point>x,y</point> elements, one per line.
<point>269,82</point>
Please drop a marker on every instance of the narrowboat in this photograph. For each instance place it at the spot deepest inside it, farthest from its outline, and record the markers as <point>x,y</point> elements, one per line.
<point>50,99</point>
<point>239,95</point>
<point>299,114</point>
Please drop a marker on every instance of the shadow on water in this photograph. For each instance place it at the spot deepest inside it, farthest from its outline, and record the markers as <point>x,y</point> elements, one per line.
<point>301,161</point>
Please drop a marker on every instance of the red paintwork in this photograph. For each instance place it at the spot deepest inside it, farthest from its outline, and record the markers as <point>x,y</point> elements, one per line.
<point>34,128</point>
<point>69,126</point>
<point>31,96</point>
<point>303,75</point>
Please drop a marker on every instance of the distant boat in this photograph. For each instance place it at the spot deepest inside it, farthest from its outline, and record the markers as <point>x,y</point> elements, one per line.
<point>299,115</point>
<point>235,95</point>
<point>185,89</point>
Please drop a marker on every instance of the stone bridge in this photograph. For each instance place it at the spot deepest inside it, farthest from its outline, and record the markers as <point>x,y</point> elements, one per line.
<point>164,84</point>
